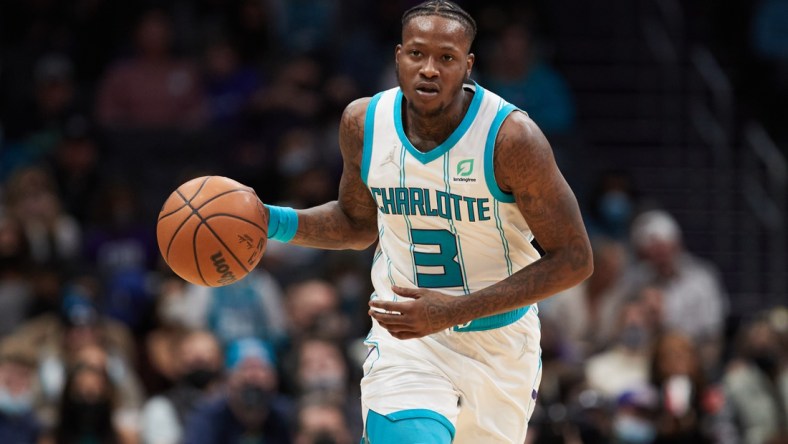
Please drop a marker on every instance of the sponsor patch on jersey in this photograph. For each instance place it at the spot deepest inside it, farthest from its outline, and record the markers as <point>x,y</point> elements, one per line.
<point>464,171</point>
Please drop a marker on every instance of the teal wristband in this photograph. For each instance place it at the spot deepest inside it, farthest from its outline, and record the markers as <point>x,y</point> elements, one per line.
<point>282,223</point>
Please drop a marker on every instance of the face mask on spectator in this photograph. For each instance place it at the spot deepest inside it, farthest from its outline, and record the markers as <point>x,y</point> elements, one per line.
<point>90,415</point>
<point>615,209</point>
<point>633,337</point>
<point>254,398</point>
<point>14,405</point>
<point>200,377</point>
<point>632,430</point>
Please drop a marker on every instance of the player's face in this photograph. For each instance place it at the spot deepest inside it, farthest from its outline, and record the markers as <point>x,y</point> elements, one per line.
<point>432,63</point>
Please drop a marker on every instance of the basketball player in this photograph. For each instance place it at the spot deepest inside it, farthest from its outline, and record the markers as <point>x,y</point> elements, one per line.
<point>454,183</point>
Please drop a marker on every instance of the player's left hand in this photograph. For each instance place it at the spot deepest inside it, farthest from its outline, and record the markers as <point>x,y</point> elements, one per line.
<point>423,313</point>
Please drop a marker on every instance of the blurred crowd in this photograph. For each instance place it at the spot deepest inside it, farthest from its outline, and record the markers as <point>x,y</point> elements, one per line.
<point>107,106</point>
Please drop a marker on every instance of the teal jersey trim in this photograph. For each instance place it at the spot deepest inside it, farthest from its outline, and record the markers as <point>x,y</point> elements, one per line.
<point>369,132</point>
<point>465,288</point>
<point>489,151</point>
<point>405,214</point>
<point>504,241</point>
<point>537,379</point>
<point>455,136</point>
<point>375,348</point>
<point>494,321</point>
<point>388,258</point>
<point>422,427</point>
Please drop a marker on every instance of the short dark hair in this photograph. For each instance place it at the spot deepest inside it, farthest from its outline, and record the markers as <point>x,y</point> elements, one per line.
<point>442,8</point>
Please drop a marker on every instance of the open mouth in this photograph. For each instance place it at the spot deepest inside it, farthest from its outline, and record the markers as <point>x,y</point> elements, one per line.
<point>427,90</point>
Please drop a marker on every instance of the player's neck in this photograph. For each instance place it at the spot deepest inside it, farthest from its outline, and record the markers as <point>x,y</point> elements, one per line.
<point>426,132</point>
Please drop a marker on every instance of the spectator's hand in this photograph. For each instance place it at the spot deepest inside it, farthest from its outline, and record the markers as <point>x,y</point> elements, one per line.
<point>425,312</point>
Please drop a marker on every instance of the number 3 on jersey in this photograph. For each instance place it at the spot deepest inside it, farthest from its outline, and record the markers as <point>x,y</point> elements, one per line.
<point>445,258</point>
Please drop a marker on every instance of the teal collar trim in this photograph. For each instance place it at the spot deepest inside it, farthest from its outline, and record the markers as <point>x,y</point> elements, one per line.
<point>455,136</point>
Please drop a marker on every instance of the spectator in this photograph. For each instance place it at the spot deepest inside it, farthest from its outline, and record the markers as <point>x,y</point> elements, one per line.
<point>153,89</point>
<point>54,236</point>
<point>122,247</point>
<point>756,380</point>
<point>626,364</point>
<point>678,376</point>
<point>612,204</point>
<point>249,410</point>
<point>516,72</point>
<point>321,421</point>
<point>77,334</point>
<point>16,290</point>
<point>588,312</point>
<point>75,166</point>
<point>229,83</point>
<point>251,307</point>
<point>634,416</point>
<point>18,423</point>
<point>54,97</point>
<point>693,298</point>
<point>313,310</point>
<point>253,26</point>
<point>87,408</point>
<point>321,370</point>
<point>199,361</point>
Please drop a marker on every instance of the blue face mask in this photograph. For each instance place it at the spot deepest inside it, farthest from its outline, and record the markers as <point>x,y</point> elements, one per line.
<point>631,430</point>
<point>615,209</point>
<point>15,405</point>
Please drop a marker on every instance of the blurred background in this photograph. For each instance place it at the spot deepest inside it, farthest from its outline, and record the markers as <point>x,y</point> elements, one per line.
<point>666,117</point>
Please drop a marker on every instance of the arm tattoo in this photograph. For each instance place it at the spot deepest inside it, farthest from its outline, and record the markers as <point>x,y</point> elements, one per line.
<point>524,166</point>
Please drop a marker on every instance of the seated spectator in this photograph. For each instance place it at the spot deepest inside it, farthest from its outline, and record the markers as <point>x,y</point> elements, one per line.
<point>78,334</point>
<point>87,407</point>
<point>33,127</point>
<point>199,368</point>
<point>252,307</point>
<point>249,409</point>
<point>611,205</point>
<point>313,309</point>
<point>54,236</point>
<point>229,83</point>
<point>634,418</point>
<point>18,423</point>
<point>121,244</point>
<point>152,89</point>
<point>516,72</point>
<point>693,298</point>
<point>626,364</point>
<point>321,421</point>
<point>588,312</point>
<point>16,288</point>
<point>75,165</point>
<point>678,377</point>
<point>756,380</point>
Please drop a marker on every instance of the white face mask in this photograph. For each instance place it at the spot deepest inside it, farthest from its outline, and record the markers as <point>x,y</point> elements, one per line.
<point>631,430</point>
<point>15,405</point>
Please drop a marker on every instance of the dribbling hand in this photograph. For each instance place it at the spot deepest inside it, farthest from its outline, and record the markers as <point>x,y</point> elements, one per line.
<point>425,312</point>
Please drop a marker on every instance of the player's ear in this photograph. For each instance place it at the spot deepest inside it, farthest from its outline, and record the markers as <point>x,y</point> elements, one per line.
<point>397,52</point>
<point>470,59</point>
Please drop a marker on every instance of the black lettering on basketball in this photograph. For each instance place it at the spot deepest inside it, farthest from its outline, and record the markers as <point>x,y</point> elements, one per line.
<point>222,268</point>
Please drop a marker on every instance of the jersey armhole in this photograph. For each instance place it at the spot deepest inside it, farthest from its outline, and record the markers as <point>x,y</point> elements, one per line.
<point>369,133</point>
<point>489,155</point>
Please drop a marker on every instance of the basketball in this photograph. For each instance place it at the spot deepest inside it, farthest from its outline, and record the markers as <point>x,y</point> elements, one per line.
<point>212,231</point>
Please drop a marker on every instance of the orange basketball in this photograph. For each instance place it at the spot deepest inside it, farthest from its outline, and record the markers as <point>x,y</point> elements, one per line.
<point>212,231</point>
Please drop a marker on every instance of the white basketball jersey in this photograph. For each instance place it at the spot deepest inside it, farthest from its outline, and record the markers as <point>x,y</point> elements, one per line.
<point>443,221</point>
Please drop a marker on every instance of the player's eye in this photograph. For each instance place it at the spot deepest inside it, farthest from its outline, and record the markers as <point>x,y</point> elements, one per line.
<point>415,52</point>
<point>448,57</point>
